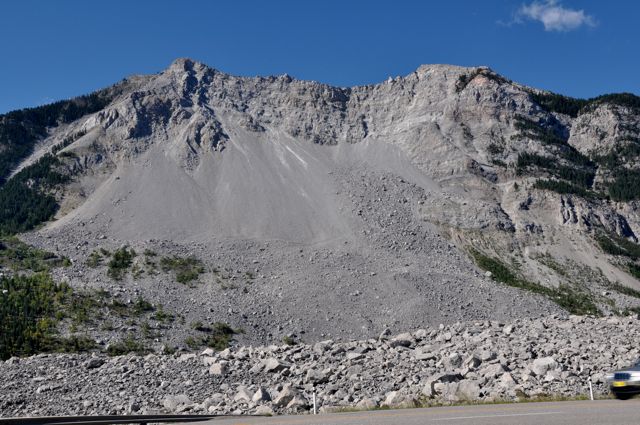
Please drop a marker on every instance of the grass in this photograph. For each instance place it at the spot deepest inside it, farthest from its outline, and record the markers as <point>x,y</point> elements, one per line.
<point>427,403</point>
<point>572,300</point>
<point>186,269</point>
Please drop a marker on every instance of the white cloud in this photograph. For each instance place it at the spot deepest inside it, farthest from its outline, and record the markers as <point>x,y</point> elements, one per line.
<point>554,16</point>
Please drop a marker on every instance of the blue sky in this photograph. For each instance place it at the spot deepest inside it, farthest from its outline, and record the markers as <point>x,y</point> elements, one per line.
<point>53,50</point>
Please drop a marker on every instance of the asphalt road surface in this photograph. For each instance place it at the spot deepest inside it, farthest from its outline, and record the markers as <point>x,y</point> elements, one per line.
<point>601,412</point>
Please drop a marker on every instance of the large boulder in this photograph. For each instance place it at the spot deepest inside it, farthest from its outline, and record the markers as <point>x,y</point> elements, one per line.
<point>468,390</point>
<point>543,365</point>
<point>219,368</point>
<point>275,365</point>
<point>244,394</point>
<point>261,395</point>
<point>173,402</point>
<point>285,396</point>
<point>404,340</point>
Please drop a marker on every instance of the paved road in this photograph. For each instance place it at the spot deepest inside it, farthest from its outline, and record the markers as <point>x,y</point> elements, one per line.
<point>602,412</point>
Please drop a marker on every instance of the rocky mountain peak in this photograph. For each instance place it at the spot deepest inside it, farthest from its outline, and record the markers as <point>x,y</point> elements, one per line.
<point>391,195</point>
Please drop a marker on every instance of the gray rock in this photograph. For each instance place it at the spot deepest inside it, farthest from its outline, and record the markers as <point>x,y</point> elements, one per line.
<point>94,363</point>
<point>275,365</point>
<point>542,365</point>
<point>261,396</point>
<point>243,394</point>
<point>468,390</point>
<point>173,402</point>
<point>404,340</point>
<point>218,368</point>
<point>366,404</point>
<point>285,396</point>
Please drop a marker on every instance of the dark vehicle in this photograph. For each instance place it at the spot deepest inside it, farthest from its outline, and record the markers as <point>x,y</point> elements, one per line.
<point>625,383</point>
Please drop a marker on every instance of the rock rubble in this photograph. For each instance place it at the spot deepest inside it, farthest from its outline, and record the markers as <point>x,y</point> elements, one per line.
<point>473,361</point>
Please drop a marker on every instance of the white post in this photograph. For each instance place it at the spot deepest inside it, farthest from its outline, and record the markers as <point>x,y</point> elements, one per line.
<point>314,403</point>
<point>590,389</point>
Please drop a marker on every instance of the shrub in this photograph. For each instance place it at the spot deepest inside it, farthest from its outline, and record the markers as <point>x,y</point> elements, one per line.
<point>185,269</point>
<point>162,316</point>
<point>127,345</point>
<point>288,340</point>
<point>120,262</point>
<point>142,306</point>
<point>218,336</point>
<point>95,259</point>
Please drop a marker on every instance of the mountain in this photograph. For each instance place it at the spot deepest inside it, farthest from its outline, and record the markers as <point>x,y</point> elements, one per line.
<point>296,209</point>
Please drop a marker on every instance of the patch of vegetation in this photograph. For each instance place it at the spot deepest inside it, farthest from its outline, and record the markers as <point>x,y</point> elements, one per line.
<point>130,344</point>
<point>217,336</point>
<point>634,270</point>
<point>120,262</point>
<point>572,300</point>
<point>573,107</point>
<point>162,316</point>
<point>95,259</point>
<point>533,130</point>
<point>615,245</point>
<point>21,130</point>
<point>74,344</point>
<point>30,309</point>
<point>142,306</point>
<point>495,149</point>
<point>625,290</point>
<point>168,350</point>
<point>186,269</point>
<point>25,201</point>
<point>288,340</point>
<point>575,175</point>
<point>626,185</point>
<point>66,142</point>
<point>19,256</point>
<point>565,188</point>
<point>625,151</point>
<point>550,262</point>
<point>465,79</point>
<point>627,100</point>
<point>558,103</point>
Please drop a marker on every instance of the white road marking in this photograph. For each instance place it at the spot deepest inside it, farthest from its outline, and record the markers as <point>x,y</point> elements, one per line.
<point>497,416</point>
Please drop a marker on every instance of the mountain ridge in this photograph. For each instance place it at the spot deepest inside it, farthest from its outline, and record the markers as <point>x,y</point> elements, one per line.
<point>343,197</point>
